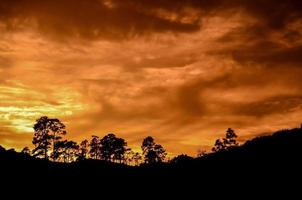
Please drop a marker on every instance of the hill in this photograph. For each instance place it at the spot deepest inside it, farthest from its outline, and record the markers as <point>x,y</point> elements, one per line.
<point>266,160</point>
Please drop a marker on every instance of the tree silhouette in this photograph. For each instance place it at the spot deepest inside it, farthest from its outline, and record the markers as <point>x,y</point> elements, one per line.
<point>218,146</point>
<point>95,148</point>
<point>113,148</point>
<point>128,158</point>
<point>137,158</point>
<point>66,151</point>
<point>83,150</point>
<point>70,151</point>
<point>25,151</point>
<point>201,153</point>
<point>228,142</point>
<point>152,152</point>
<point>183,158</point>
<point>41,139</point>
<point>133,158</point>
<point>230,139</point>
<point>47,130</point>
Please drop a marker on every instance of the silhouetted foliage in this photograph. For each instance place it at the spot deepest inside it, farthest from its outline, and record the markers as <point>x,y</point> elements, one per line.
<point>154,153</point>
<point>181,159</point>
<point>230,138</point>
<point>25,151</point>
<point>270,157</point>
<point>66,151</point>
<point>226,143</point>
<point>128,157</point>
<point>47,130</point>
<point>137,158</point>
<point>133,158</point>
<point>11,150</point>
<point>95,148</point>
<point>83,150</point>
<point>42,138</point>
<point>201,153</point>
<point>113,148</point>
<point>218,146</point>
<point>282,149</point>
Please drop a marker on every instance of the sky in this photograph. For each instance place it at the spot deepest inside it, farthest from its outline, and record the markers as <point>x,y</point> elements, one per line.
<point>182,71</point>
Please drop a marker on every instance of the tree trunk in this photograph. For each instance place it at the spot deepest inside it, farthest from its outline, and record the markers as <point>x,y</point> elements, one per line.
<point>53,147</point>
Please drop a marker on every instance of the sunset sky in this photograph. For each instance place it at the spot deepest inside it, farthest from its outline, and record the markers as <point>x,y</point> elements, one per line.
<point>182,71</point>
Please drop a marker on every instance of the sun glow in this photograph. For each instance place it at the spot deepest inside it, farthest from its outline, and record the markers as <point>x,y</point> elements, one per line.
<point>22,106</point>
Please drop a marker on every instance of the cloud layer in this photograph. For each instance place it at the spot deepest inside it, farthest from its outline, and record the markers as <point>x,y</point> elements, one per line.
<point>182,71</point>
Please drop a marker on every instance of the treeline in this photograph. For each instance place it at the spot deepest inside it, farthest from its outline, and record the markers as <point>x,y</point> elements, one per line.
<point>49,144</point>
<point>264,160</point>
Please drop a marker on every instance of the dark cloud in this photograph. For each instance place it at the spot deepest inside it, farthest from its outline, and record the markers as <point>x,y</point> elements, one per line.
<point>270,54</point>
<point>192,101</point>
<point>273,14</point>
<point>254,45</point>
<point>89,19</point>
<point>114,19</point>
<point>283,104</point>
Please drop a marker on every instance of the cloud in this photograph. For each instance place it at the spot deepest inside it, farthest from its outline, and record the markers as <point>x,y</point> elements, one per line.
<point>273,105</point>
<point>113,19</point>
<point>90,19</point>
<point>5,62</point>
<point>270,55</point>
<point>181,71</point>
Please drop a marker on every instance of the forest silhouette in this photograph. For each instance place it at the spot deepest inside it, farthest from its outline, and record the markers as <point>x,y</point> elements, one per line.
<point>268,158</point>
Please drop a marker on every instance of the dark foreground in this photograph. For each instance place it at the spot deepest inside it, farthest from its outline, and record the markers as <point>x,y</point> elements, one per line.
<point>269,161</point>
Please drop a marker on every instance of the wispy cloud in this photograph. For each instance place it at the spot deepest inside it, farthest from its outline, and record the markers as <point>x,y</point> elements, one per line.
<point>182,71</point>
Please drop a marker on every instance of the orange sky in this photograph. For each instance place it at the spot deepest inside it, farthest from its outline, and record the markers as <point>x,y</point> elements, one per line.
<point>180,71</point>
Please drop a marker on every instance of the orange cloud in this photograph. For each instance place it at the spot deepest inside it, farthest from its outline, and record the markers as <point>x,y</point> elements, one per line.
<point>181,72</point>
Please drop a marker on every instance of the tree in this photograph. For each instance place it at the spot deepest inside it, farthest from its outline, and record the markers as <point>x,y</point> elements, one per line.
<point>132,158</point>
<point>113,148</point>
<point>230,138</point>
<point>226,143</point>
<point>137,158</point>
<point>41,139</point>
<point>218,146</point>
<point>120,148</point>
<point>47,131</point>
<point>95,148</point>
<point>26,151</point>
<point>70,151</point>
<point>66,151</point>
<point>152,152</point>
<point>56,129</point>
<point>148,144</point>
<point>128,158</point>
<point>83,150</point>
<point>201,153</point>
